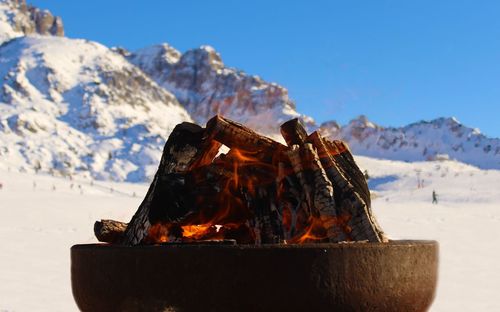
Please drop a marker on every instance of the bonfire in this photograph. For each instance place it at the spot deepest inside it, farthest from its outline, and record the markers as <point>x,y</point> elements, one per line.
<point>227,184</point>
<point>236,221</point>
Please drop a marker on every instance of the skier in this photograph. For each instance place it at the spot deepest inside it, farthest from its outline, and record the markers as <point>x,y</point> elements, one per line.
<point>434,197</point>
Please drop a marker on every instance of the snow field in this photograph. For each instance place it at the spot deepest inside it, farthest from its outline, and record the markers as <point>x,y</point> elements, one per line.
<point>39,225</point>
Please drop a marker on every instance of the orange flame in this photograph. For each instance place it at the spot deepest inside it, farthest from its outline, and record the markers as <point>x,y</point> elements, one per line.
<point>319,228</point>
<point>197,231</point>
<point>158,233</point>
<point>225,212</point>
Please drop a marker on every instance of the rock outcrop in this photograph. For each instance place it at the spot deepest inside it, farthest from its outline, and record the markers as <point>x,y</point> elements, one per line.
<point>18,19</point>
<point>205,86</point>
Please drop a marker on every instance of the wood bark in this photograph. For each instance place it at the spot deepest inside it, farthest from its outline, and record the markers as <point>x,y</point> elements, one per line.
<point>289,199</point>
<point>167,198</point>
<point>318,192</point>
<point>361,224</point>
<point>306,188</point>
<point>293,132</point>
<point>266,215</point>
<point>344,160</point>
<point>109,231</point>
<point>235,135</point>
<point>316,186</point>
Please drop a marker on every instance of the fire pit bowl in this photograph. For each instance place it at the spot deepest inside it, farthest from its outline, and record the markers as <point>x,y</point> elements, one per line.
<point>394,276</point>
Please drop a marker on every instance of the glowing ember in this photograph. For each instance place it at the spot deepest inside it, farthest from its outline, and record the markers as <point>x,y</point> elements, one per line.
<point>317,229</point>
<point>158,233</point>
<point>197,231</point>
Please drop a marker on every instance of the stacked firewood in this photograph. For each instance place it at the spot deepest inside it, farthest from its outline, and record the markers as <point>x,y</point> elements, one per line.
<point>259,192</point>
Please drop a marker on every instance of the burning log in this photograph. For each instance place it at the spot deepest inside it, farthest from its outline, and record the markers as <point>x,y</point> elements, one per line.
<point>259,192</point>
<point>294,134</point>
<point>289,198</point>
<point>166,198</point>
<point>361,224</point>
<point>345,162</point>
<point>267,221</point>
<point>316,187</point>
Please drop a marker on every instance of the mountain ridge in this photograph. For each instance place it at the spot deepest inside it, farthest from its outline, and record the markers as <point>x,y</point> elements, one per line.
<point>423,140</point>
<point>205,86</point>
<point>73,106</point>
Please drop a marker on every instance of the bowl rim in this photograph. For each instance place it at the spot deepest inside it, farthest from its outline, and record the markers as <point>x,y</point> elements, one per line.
<point>350,245</point>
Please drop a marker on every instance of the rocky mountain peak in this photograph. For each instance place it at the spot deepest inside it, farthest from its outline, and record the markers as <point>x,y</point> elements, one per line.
<point>362,122</point>
<point>18,18</point>
<point>205,86</point>
<point>204,57</point>
<point>155,58</point>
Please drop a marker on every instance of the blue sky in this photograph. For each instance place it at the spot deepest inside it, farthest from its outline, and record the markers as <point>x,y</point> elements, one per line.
<point>395,61</point>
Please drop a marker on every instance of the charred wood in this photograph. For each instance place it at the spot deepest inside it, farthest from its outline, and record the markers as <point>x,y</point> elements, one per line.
<point>318,193</point>
<point>164,200</point>
<point>109,231</point>
<point>259,192</point>
<point>235,135</point>
<point>361,224</point>
<point>293,132</point>
<point>342,156</point>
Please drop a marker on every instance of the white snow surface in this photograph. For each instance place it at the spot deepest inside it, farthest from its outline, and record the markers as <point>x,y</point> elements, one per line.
<point>39,225</point>
<point>75,107</point>
<point>7,14</point>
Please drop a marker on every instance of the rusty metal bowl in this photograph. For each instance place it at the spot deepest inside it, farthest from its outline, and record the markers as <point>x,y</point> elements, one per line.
<point>396,276</point>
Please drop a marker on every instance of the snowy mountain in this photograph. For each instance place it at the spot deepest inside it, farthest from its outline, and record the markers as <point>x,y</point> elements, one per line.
<point>424,140</point>
<point>205,86</point>
<point>18,19</point>
<point>76,106</point>
<point>202,83</point>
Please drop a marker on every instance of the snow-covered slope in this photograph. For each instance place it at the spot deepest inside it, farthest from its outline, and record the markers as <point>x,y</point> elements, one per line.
<point>425,140</point>
<point>43,222</point>
<point>18,19</point>
<point>76,106</point>
<point>205,86</point>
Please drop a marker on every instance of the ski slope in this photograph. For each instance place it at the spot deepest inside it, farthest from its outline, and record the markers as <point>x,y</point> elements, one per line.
<point>38,225</point>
